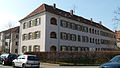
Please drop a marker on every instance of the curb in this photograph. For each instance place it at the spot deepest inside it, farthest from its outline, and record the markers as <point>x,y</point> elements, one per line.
<point>76,65</point>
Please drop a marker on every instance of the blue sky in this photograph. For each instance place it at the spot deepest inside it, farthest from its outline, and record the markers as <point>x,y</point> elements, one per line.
<point>11,11</point>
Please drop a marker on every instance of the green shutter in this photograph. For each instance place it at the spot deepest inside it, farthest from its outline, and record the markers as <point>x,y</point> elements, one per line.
<point>26,37</point>
<point>70,36</point>
<point>61,22</point>
<point>71,25</point>
<point>22,37</point>
<point>33,35</point>
<point>76,27</point>
<point>61,35</point>
<point>39,34</point>
<point>28,24</point>
<point>66,24</point>
<point>23,26</point>
<point>39,20</point>
<point>33,22</point>
<point>79,38</point>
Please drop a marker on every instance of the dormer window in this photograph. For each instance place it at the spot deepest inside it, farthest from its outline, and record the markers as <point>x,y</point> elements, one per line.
<point>53,21</point>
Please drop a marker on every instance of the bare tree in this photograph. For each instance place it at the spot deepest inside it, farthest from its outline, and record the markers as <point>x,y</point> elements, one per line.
<point>8,26</point>
<point>116,18</point>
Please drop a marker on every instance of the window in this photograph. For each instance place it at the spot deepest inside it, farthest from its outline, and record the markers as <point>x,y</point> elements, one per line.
<point>24,36</point>
<point>73,37</point>
<point>36,48</point>
<point>6,43</point>
<point>30,23</point>
<point>63,36</point>
<point>79,38</point>
<point>69,25</point>
<point>53,21</point>
<point>93,31</point>
<point>64,24</point>
<point>63,48</point>
<point>73,26</point>
<point>30,35</point>
<point>30,48</point>
<point>68,35</point>
<point>37,21</point>
<point>25,25</point>
<point>53,48</point>
<point>24,49</point>
<point>17,36</point>
<point>80,28</point>
<point>89,30</point>
<point>53,35</point>
<point>37,34</point>
<point>16,50</point>
<point>90,40</point>
<point>16,43</point>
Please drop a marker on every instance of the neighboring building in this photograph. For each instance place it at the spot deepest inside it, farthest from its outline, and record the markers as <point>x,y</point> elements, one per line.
<point>10,38</point>
<point>51,29</point>
<point>118,38</point>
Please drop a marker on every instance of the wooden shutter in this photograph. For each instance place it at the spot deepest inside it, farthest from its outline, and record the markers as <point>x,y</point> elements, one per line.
<point>33,22</point>
<point>39,20</point>
<point>39,34</point>
<point>28,24</point>
<point>33,35</point>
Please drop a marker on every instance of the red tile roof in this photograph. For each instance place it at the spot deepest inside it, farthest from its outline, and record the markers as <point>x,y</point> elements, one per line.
<point>14,29</point>
<point>51,9</point>
<point>118,34</point>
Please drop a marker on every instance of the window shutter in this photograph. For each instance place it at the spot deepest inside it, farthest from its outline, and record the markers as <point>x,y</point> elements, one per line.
<point>61,22</point>
<point>23,37</point>
<point>66,24</point>
<point>79,38</point>
<point>61,35</point>
<point>33,35</point>
<point>71,25</point>
<point>39,20</point>
<point>38,48</point>
<point>39,34</point>
<point>26,37</point>
<point>23,26</point>
<point>28,24</point>
<point>76,26</point>
<point>70,36</point>
<point>33,22</point>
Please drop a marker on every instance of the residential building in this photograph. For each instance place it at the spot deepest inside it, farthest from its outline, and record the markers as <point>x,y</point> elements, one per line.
<point>9,40</point>
<point>118,38</point>
<point>48,28</point>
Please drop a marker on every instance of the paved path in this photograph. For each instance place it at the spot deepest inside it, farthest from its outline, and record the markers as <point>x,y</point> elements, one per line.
<point>55,66</point>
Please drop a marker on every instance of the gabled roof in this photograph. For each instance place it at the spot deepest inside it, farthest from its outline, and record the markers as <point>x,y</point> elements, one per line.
<point>14,29</point>
<point>54,10</point>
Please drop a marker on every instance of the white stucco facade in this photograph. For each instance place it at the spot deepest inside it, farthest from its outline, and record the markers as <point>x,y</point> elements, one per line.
<point>45,42</point>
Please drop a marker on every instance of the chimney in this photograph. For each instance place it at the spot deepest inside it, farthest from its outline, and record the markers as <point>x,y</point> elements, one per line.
<point>90,19</point>
<point>54,5</point>
<point>71,12</point>
<point>100,22</point>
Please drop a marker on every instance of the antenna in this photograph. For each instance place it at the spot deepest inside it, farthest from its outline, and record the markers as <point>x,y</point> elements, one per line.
<point>74,8</point>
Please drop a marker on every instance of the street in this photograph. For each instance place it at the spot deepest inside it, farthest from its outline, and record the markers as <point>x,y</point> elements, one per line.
<point>55,66</point>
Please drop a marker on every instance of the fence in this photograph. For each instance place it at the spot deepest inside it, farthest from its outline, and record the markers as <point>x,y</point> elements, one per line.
<point>83,57</point>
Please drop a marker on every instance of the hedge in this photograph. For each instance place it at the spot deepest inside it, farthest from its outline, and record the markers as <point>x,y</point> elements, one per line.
<point>82,57</point>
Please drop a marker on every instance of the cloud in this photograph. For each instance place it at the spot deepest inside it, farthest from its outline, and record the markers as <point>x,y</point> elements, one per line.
<point>5,18</point>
